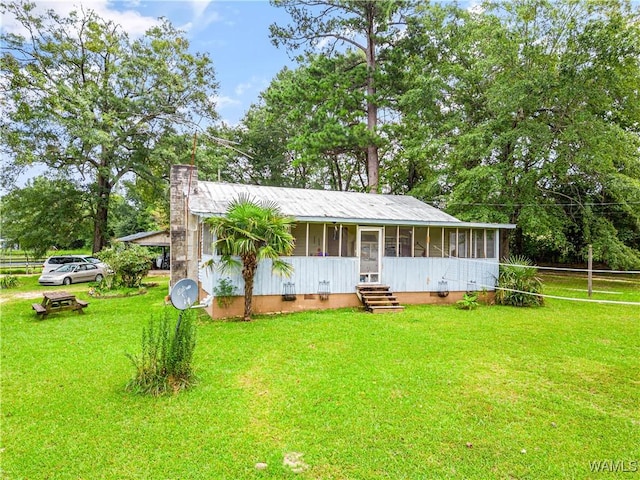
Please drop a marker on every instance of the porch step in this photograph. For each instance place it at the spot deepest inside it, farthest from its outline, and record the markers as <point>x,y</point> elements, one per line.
<point>378,299</point>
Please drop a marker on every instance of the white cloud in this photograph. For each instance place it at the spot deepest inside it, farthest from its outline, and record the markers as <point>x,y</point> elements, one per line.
<point>130,20</point>
<point>201,15</point>
<point>224,101</point>
<point>242,88</point>
<point>475,7</point>
<point>253,85</point>
<point>199,6</point>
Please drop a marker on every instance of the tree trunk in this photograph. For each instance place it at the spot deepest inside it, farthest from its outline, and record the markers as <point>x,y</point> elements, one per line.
<point>249,265</point>
<point>102,212</point>
<point>373,162</point>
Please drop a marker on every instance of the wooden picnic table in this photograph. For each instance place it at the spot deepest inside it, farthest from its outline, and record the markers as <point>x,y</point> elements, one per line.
<point>58,301</point>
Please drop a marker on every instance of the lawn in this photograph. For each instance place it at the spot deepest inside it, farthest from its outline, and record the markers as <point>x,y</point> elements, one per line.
<point>432,392</point>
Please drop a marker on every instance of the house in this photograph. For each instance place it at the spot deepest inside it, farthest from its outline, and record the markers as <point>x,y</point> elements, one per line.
<point>344,242</point>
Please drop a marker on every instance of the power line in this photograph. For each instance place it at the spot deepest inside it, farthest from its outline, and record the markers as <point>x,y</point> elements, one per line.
<point>546,204</point>
<point>537,267</point>
<point>588,300</point>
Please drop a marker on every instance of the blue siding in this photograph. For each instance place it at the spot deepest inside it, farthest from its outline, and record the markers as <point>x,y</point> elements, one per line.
<point>403,274</point>
<point>406,274</point>
<point>308,272</point>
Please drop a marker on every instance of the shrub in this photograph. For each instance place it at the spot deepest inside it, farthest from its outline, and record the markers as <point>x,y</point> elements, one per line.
<point>9,281</point>
<point>468,302</point>
<point>520,279</point>
<point>165,364</point>
<point>130,263</point>
<point>224,292</point>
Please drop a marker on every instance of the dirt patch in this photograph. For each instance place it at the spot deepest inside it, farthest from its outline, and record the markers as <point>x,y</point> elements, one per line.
<point>6,296</point>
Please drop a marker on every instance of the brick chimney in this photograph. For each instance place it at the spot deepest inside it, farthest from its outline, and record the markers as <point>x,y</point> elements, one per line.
<point>184,225</point>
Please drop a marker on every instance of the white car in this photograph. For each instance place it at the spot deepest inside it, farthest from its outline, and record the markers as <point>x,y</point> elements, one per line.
<point>57,261</point>
<point>73,273</point>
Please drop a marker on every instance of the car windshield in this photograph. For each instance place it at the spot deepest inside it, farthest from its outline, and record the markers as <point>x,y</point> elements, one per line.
<point>69,267</point>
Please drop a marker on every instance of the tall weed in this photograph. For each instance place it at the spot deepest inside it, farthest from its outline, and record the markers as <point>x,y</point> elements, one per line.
<point>165,364</point>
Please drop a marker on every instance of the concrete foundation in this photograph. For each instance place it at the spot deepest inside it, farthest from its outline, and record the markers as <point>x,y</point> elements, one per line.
<point>269,304</point>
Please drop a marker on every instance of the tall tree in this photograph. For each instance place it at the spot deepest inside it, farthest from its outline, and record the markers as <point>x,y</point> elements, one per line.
<point>253,231</point>
<point>367,26</point>
<point>531,106</point>
<point>82,97</point>
<point>314,114</point>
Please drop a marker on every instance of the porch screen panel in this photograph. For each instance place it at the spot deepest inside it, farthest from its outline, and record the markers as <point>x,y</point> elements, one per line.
<point>299,232</point>
<point>463,243</point>
<point>435,242</point>
<point>390,241</point>
<point>478,243</point>
<point>333,240</point>
<point>405,241</point>
<point>316,235</point>
<point>420,243</point>
<point>452,242</point>
<point>491,244</point>
<point>349,241</point>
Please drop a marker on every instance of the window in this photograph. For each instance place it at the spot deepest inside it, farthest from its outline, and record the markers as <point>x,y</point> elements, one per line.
<point>207,240</point>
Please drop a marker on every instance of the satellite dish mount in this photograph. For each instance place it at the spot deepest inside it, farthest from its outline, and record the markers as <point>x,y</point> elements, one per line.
<point>184,295</point>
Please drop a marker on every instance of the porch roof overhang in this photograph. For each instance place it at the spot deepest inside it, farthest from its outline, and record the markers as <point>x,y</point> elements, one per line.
<point>387,223</point>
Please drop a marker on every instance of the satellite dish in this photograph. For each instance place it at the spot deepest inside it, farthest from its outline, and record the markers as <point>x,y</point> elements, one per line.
<point>184,294</point>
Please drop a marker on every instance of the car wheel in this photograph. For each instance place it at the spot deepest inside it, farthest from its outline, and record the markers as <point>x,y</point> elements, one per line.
<point>66,281</point>
<point>99,278</point>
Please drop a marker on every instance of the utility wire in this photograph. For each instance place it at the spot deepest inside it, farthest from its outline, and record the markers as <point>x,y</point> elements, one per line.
<point>588,300</point>
<point>560,269</point>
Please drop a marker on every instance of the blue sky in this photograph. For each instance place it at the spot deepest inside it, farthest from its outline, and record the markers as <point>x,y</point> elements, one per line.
<point>234,33</point>
<point>236,36</point>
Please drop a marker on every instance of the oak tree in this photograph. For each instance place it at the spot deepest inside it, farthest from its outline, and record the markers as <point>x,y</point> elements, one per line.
<point>84,99</point>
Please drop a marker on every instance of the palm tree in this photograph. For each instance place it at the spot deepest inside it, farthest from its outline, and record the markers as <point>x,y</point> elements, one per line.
<point>253,231</point>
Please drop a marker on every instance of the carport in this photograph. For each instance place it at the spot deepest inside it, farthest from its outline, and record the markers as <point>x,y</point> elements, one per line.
<point>158,238</point>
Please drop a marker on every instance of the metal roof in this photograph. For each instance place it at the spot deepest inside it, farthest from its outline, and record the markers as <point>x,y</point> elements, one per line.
<point>212,199</point>
<point>155,238</point>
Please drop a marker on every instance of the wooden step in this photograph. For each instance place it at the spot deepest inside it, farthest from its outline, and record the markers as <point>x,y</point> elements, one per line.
<point>387,309</point>
<point>382,302</point>
<point>378,299</point>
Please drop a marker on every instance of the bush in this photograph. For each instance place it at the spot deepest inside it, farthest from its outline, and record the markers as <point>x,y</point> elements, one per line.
<point>165,364</point>
<point>9,281</point>
<point>130,264</point>
<point>468,302</point>
<point>521,280</point>
<point>224,292</point>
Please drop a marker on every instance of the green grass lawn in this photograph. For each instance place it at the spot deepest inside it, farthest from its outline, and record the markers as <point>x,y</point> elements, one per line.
<point>432,392</point>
